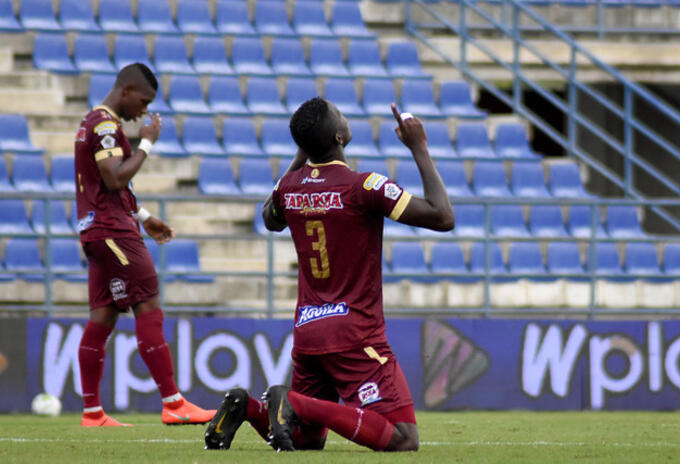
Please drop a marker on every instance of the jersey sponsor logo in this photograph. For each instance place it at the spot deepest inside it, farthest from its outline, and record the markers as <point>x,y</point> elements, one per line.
<point>106,127</point>
<point>81,134</point>
<point>369,393</point>
<point>392,191</point>
<point>374,181</point>
<point>117,288</point>
<point>322,201</point>
<point>312,180</point>
<point>314,313</point>
<point>108,142</point>
<point>85,222</point>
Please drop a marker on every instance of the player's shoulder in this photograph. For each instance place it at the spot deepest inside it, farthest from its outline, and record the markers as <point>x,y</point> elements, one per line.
<point>372,180</point>
<point>101,122</point>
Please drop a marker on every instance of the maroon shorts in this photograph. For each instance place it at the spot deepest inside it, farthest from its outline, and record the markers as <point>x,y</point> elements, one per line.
<point>368,378</point>
<point>121,271</point>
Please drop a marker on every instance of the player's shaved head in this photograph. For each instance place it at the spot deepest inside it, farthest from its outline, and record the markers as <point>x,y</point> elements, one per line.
<point>138,75</point>
<point>314,127</point>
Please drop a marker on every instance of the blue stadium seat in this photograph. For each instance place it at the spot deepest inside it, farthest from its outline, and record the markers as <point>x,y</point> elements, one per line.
<point>50,52</point>
<point>565,181</point>
<point>455,180</point>
<point>255,176</point>
<point>181,255</point>
<point>23,254</point>
<point>39,15</point>
<point>671,259</point>
<point>309,19</point>
<point>14,219</point>
<point>564,258</point>
<point>193,17</point>
<point>168,143</point>
<point>77,15</point>
<point>100,85</point>
<point>488,179</point>
<point>325,58</point>
<point>346,21</point>
<point>8,20</point>
<point>247,56</point>
<point>63,174</point>
<point>402,60</point>
<point>65,257</point>
<point>29,174</point>
<point>14,135</point>
<point>607,261</point>
<point>288,57</point>
<point>276,139</point>
<point>439,140</point>
<point>417,98</point>
<point>642,258</point>
<point>409,258</point>
<point>130,49</point>
<point>408,176</point>
<point>271,18</point>
<point>472,141</point>
<point>170,55</point>
<point>511,142</point>
<point>579,221</point>
<point>448,258</point>
<point>160,104</point>
<point>298,91</point>
<point>395,229</point>
<point>5,184</point>
<point>224,96</point>
<point>546,221</point>
<point>528,180</point>
<point>477,261</point>
<point>200,138</point>
<point>363,59</point>
<point>526,258</point>
<point>232,18</point>
<point>239,138</point>
<point>210,56</point>
<point>389,143</point>
<point>455,100</point>
<point>186,95</point>
<point>508,221</point>
<point>362,143</point>
<point>469,220</point>
<point>58,218</point>
<point>378,94</point>
<point>623,222</point>
<point>371,165</point>
<point>215,177</point>
<point>117,17</point>
<point>153,16</point>
<point>343,94</point>
<point>262,97</point>
<point>90,54</point>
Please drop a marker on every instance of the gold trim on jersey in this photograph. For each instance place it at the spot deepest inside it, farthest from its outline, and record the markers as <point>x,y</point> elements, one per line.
<point>370,351</point>
<point>117,251</point>
<point>315,165</point>
<point>108,110</point>
<point>400,206</point>
<point>108,153</point>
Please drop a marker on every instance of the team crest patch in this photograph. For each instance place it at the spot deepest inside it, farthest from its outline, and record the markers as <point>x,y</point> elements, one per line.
<point>369,393</point>
<point>106,127</point>
<point>314,313</point>
<point>392,191</point>
<point>80,135</point>
<point>117,288</point>
<point>108,142</point>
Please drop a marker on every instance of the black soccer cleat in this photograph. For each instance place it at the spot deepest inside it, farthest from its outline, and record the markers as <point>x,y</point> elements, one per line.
<point>227,419</point>
<point>282,418</point>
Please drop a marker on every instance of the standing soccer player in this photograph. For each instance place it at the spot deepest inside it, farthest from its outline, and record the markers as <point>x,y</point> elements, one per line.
<point>340,350</point>
<point>121,271</point>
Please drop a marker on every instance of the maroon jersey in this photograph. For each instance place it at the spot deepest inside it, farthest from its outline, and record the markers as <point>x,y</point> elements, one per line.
<point>102,213</point>
<point>336,216</point>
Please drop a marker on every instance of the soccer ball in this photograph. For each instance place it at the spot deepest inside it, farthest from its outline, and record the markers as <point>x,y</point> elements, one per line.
<point>45,404</point>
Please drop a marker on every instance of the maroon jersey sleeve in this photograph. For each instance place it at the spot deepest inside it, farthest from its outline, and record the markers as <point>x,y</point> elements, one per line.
<point>105,138</point>
<point>382,195</point>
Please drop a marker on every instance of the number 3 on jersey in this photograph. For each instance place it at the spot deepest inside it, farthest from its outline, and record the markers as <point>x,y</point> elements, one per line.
<point>324,271</point>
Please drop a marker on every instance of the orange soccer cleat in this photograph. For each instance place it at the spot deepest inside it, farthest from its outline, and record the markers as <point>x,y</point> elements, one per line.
<point>184,412</point>
<point>100,419</point>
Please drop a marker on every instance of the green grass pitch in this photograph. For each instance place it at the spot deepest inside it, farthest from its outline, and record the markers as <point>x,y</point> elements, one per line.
<point>504,437</point>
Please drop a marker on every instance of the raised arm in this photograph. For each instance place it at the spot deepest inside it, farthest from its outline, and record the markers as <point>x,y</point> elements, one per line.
<point>435,210</point>
<point>274,220</point>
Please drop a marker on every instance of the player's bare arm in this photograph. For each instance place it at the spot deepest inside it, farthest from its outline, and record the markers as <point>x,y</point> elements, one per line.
<point>117,173</point>
<point>434,211</point>
<point>272,220</point>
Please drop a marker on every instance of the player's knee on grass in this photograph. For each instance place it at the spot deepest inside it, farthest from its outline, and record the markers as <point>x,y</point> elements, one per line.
<point>310,437</point>
<point>404,438</point>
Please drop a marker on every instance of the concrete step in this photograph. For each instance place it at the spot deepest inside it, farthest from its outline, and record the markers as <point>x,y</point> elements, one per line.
<point>22,101</point>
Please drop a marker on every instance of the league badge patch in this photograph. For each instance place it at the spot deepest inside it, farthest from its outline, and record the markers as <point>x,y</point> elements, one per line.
<point>392,191</point>
<point>369,393</point>
<point>117,288</point>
